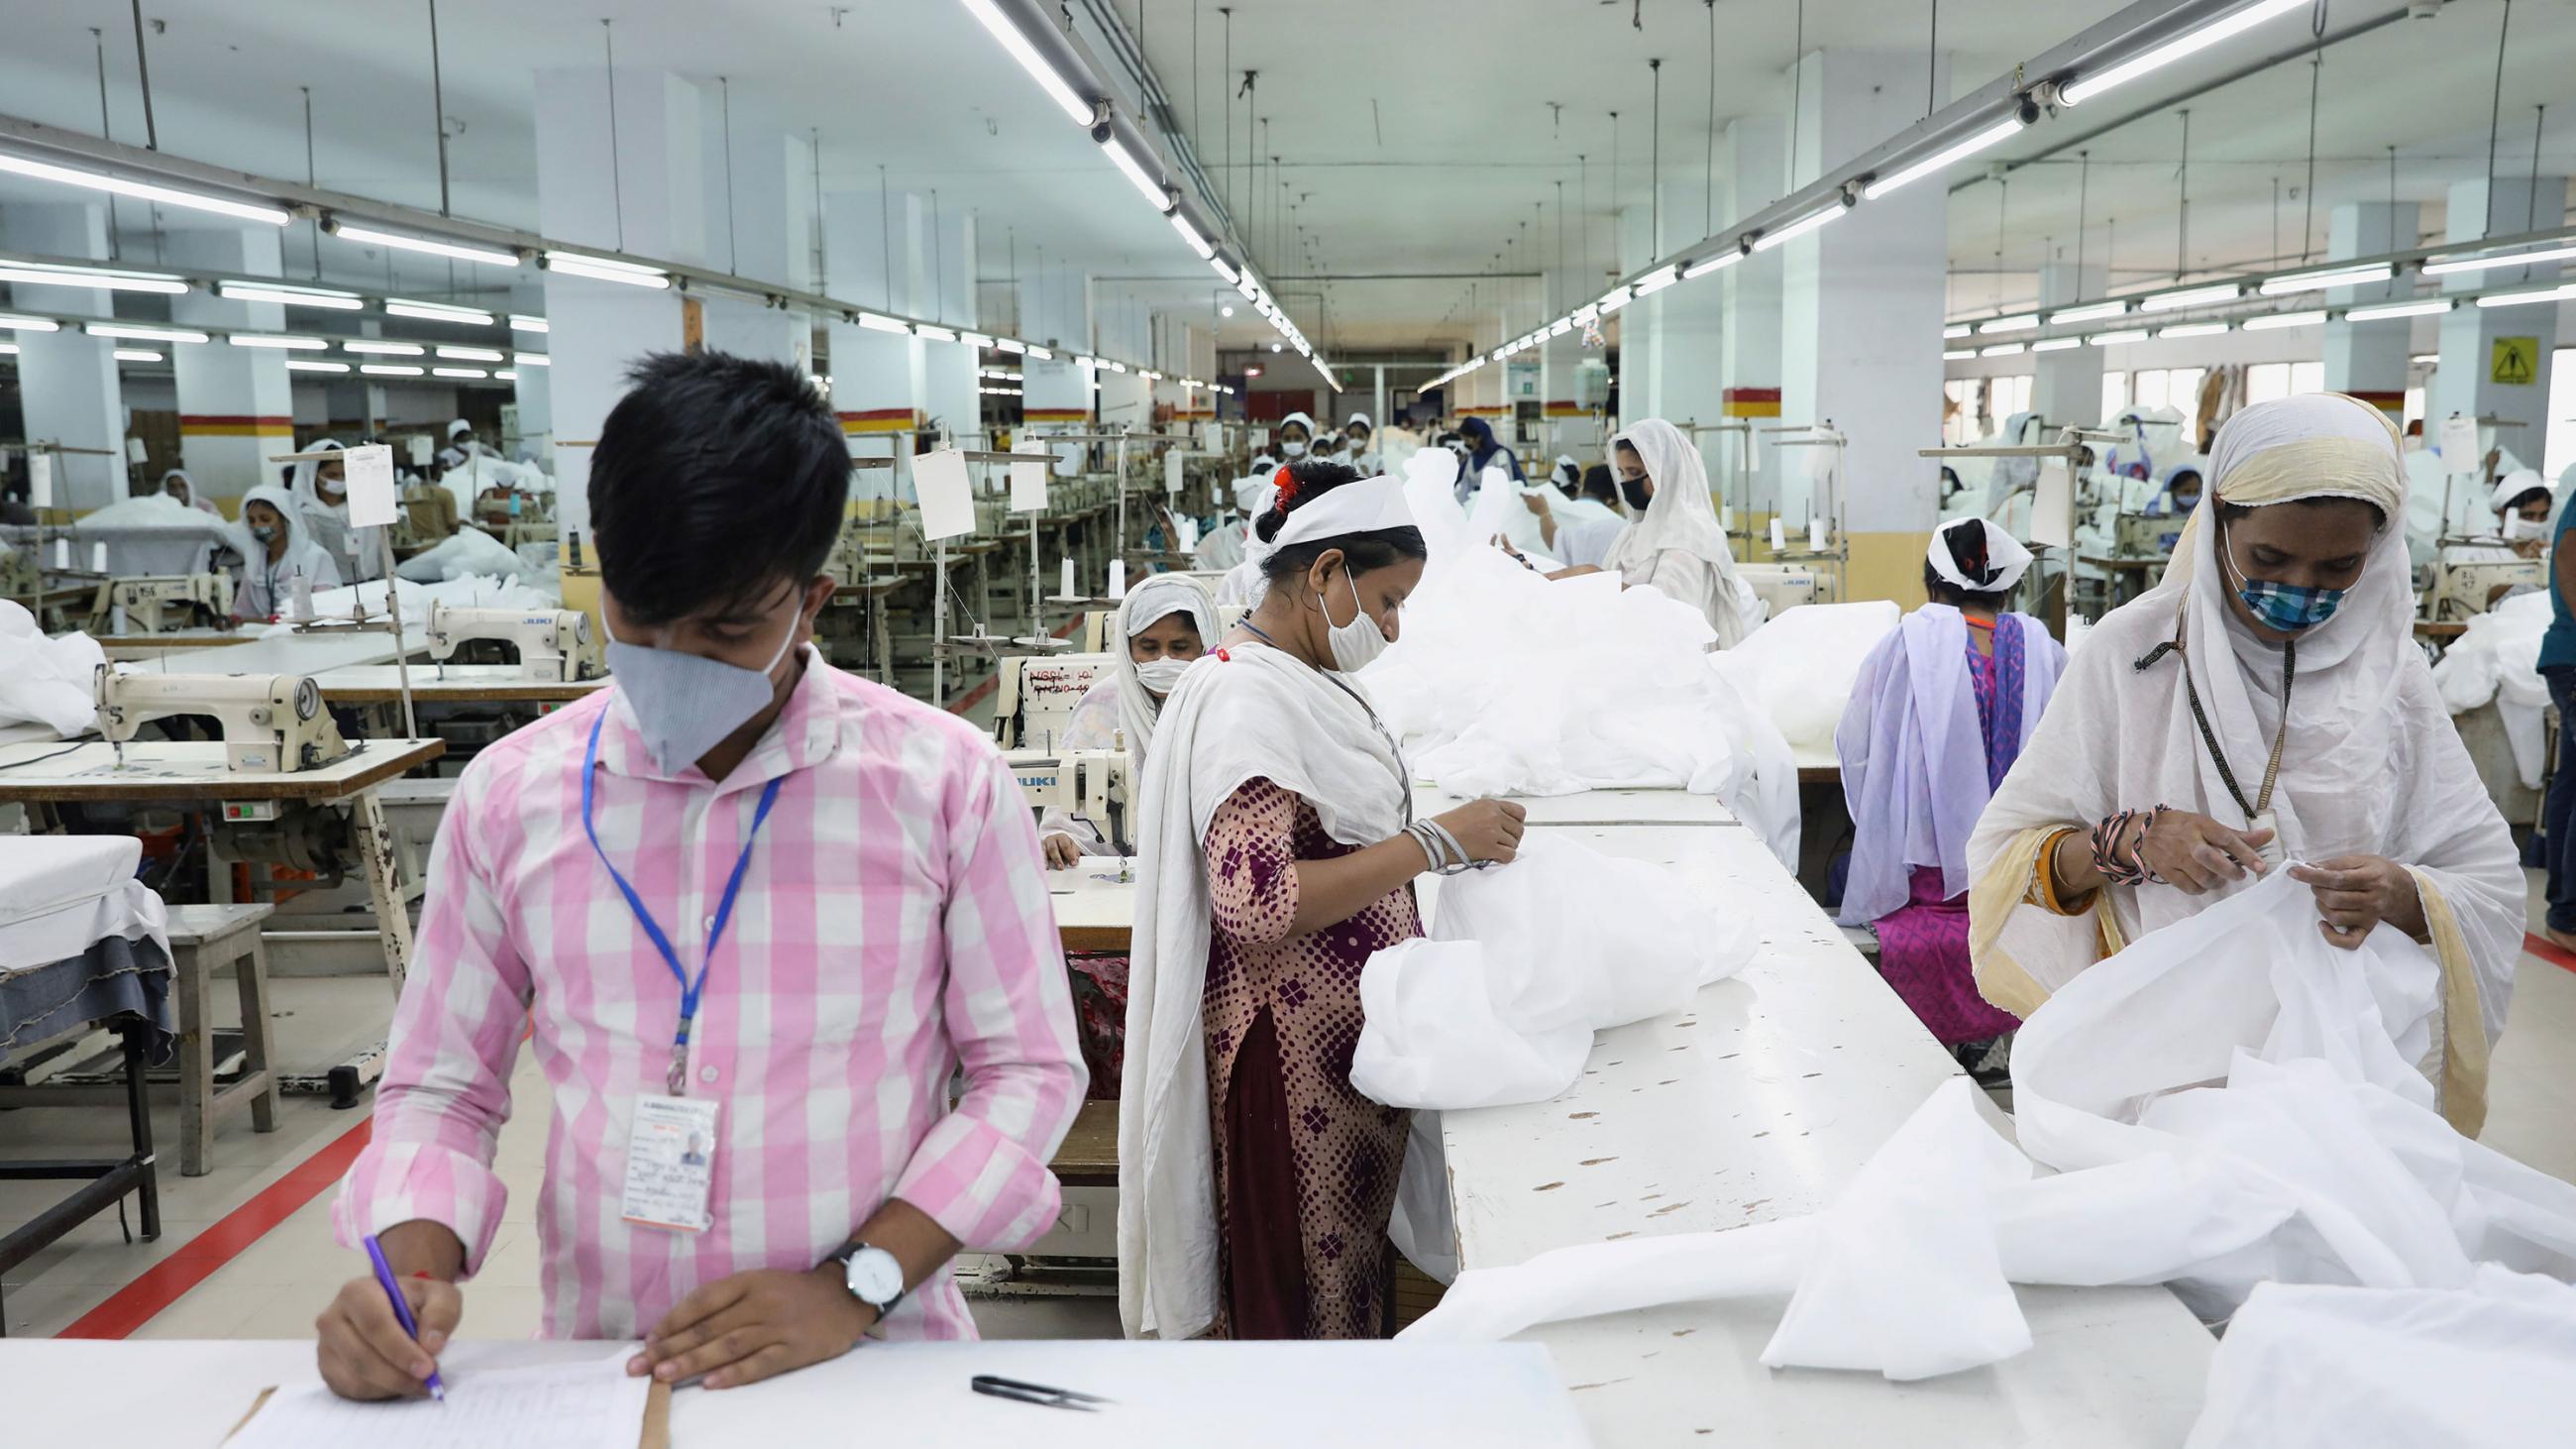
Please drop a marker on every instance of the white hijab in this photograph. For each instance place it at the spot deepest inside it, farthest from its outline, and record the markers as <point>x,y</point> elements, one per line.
<point>2371,763</point>
<point>355,552</point>
<point>1250,712</point>
<point>1679,518</point>
<point>1156,598</point>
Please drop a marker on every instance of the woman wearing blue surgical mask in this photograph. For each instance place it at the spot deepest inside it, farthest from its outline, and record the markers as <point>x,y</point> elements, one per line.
<point>1278,853</point>
<point>2263,708</point>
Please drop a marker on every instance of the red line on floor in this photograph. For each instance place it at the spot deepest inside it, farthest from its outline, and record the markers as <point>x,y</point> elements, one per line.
<point>976,695</point>
<point>162,1284</point>
<point>2548,950</point>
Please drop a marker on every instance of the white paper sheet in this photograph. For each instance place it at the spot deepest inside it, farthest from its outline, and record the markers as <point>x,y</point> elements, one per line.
<point>40,479</point>
<point>1172,471</point>
<point>1028,487</point>
<point>423,451</point>
<point>576,1406</point>
<point>370,470</point>
<point>947,498</point>
<point>2052,513</point>
<point>2460,452</point>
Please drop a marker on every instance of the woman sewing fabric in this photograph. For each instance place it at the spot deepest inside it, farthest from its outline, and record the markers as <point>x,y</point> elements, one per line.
<point>275,554</point>
<point>321,490</point>
<point>1278,854</point>
<point>1673,542</point>
<point>1484,451</point>
<point>1577,522</point>
<point>1937,716</point>
<point>2174,768</point>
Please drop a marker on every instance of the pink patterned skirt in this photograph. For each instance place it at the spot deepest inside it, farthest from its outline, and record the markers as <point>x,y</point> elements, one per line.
<point>1923,953</point>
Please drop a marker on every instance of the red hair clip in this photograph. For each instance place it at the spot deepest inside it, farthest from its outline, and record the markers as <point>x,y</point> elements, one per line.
<point>1287,484</point>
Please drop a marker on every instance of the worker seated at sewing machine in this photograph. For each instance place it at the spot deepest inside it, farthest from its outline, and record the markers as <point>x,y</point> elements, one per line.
<point>162,603</point>
<point>2473,575</point>
<point>551,645</point>
<point>1166,623</point>
<point>281,563</point>
<point>2152,530</point>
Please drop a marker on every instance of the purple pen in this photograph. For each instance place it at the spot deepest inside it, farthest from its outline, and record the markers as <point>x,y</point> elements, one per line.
<point>402,1306</point>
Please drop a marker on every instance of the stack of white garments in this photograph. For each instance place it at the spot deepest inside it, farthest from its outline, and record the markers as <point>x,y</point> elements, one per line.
<point>473,591</point>
<point>1798,668</point>
<point>51,682</point>
<point>2498,657</point>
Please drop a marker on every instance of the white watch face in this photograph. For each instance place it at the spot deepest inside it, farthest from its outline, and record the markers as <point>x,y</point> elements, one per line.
<point>874,1276</point>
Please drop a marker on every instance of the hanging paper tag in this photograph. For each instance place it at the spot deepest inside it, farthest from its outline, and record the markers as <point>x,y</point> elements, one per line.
<point>2460,453</point>
<point>947,496</point>
<point>1172,472</point>
<point>1189,534</point>
<point>370,470</point>
<point>670,1164</point>
<point>422,450</point>
<point>1028,487</point>
<point>135,452</point>
<point>2052,511</point>
<point>40,479</point>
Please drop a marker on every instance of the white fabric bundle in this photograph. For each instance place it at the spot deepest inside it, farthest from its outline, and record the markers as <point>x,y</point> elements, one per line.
<point>2230,1101</point>
<point>473,591</point>
<point>2498,657</point>
<point>1799,667</point>
<point>466,552</point>
<point>51,682</point>
<point>1504,683</point>
<point>1523,965</point>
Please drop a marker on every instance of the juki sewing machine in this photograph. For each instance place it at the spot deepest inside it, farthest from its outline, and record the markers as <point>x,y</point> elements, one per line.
<point>272,723</point>
<point>552,644</point>
<point>21,578</point>
<point>1780,586</point>
<point>160,603</point>
<point>2464,588</point>
<point>2146,535</point>
<point>1091,785</point>
<point>1036,697</point>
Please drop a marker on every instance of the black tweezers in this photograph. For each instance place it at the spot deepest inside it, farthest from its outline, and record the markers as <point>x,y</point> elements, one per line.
<point>1028,1393</point>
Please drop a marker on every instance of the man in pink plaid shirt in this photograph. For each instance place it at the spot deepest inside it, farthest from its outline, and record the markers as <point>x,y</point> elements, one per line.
<point>755,915</point>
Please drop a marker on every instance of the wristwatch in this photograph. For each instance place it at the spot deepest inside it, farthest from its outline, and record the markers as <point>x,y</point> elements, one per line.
<point>872,1275</point>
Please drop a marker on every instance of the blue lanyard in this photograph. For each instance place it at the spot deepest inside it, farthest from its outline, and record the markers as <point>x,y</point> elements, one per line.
<point>689,990</point>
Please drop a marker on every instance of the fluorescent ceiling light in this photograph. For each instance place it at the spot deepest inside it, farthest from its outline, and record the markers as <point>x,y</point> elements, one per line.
<point>1560,327</point>
<point>437,312</point>
<point>1955,330</point>
<point>2089,312</point>
<point>285,344</point>
<point>1803,225</point>
<point>1222,270</point>
<point>300,364</point>
<point>1149,376</point>
<point>468,354</point>
<point>1658,279</point>
<point>1115,366</point>
<point>1126,161</point>
<point>2279,320</point>
<point>2195,329</point>
<point>1611,301</point>
<point>428,246</point>
<point>16,323</point>
<point>2480,264</point>
<point>1057,88</point>
<point>607,269</point>
<point>8,349</point>
<point>290,296</point>
<point>1585,313</point>
<point>389,349</point>
<point>2425,359</point>
<point>933,331</point>
<point>2116,338</point>
<point>1706,265</point>
<point>2332,277</point>
<point>44,274</point>
<point>2398,309</point>
<point>2084,88</point>
<point>388,369</point>
<point>1191,235</point>
<point>144,334</point>
<point>875,323</point>
<point>2524,299</point>
<point>505,375</point>
<point>472,372</point>
<point>1010,344</point>
<point>136,354</point>
<point>1040,353</point>
<point>1994,135</point>
<point>142,190</point>
<point>2192,297</point>
<point>1958,354</point>
<point>521,322</point>
<point>2057,344</point>
<point>2003,349</point>
<point>974,339</point>
<point>1244,285</point>
<point>2020,322</point>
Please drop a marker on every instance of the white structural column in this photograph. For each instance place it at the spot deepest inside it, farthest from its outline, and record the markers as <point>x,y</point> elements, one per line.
<point>2066,385</point>
<point>533,388</point>
<point>753,229</point>
<point>1757,149</point>
<point>2481,375</point>
<point>1861,325</point>
<point>877,382</point>
<point>644,194</point>
<point>235,406</point>
<point>67,383</point>
<point>2369,359</point>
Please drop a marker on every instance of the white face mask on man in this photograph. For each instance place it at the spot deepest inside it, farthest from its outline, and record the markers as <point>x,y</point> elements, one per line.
<point>686,704</point>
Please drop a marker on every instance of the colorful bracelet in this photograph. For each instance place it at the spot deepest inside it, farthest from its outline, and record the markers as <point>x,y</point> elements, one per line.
<point>2107,836</point>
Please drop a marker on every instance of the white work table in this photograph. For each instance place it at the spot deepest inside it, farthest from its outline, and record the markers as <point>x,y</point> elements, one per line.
<point>1095,910</point>
<point>294,653</point>
<point>448,684</point>
<point>1761,1101</point>
<point>1245,1395</point>
<point>1593,807</point>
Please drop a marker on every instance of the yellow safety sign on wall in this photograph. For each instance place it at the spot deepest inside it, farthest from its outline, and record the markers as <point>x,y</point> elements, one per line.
<point>2516,360</point>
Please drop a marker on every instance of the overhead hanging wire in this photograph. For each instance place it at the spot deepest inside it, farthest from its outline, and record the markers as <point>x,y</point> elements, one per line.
<point>2083,213</point>
<point>725,88</point>
<point>99,37</point>
<point>1708,168</point>
<point>1655,161</point>
<point>2495,113</point>
<point>2308,218</point>
<point>143,77</point>
<point>616,170</point>
<point>438,102</point>
<point>1797,91</point>
<point>2182,208</point>
<point>316,223</point>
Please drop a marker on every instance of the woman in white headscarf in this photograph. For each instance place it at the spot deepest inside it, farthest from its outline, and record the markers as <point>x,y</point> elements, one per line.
<point>177,484</point>
<point>1294,437</point>
<point>2174,767</point>
<point>1937,717</point>
<point>1278,853</point>
<point>1243,585</point>
<point>1359,447</point>
<point>276,553</point>
<point>1166,622</point>
<point>1673,543</point>
<point>321,490</point>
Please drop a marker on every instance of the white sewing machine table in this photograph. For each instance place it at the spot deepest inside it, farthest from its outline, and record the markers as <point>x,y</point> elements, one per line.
<point>1593,807</point>
<point>1760,1101</point>
<point>1095,911</point>
<point>435,683</point>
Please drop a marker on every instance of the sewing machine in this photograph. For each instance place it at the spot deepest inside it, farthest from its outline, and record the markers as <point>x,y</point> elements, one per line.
<point>429,515</point>
<point>1093,785</point>
<point>21,578</point>
<point>160,604</point>
<point>1779,586</point>
<point>2146,535</point>
<point>272,723</point>
<point>2464,588</point>
<point>1037,696</point>
<point>552,644</point>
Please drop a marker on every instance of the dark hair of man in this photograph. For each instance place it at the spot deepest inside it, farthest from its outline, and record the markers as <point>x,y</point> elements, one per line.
<point>717,480</point>
<point>1968,553</point>
<point>1313,479</point>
